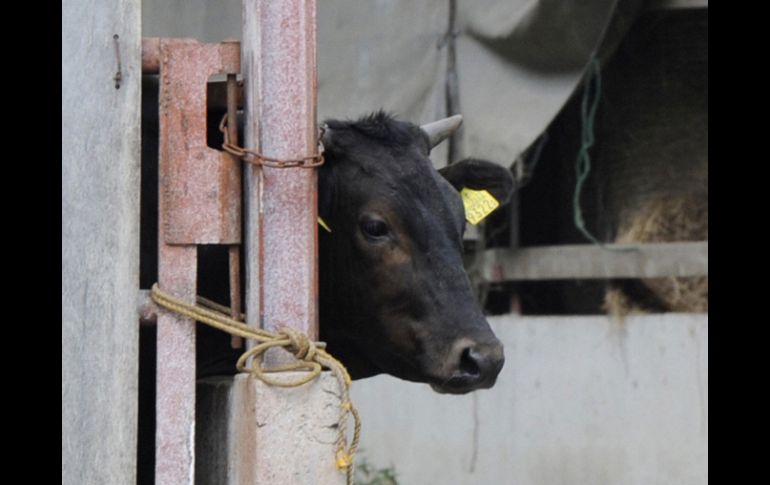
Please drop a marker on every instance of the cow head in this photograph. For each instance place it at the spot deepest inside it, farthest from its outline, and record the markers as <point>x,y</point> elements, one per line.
<point>395,297</point>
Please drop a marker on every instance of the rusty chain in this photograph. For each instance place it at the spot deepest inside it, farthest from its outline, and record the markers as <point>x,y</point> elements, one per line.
<point>257,158</point>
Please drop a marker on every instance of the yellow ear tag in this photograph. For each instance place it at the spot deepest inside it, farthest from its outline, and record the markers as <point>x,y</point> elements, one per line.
<point>478,204</point>
<point>323,224</point>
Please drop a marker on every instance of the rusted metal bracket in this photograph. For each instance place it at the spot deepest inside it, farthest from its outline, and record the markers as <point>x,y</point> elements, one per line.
<point>200,186</point>
<point>199,203</point>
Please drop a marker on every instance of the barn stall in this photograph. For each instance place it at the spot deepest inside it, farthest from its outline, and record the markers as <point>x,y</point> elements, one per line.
<point>531,263</point>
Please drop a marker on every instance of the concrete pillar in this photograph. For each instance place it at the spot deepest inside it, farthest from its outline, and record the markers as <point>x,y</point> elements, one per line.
<point>257,434</point>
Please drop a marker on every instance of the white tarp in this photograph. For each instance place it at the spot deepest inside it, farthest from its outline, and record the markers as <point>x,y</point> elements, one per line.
<point>518,61</point>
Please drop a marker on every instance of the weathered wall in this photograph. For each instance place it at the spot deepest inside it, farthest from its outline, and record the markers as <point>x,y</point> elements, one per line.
<point>581,400</point>
<point>100,240</point>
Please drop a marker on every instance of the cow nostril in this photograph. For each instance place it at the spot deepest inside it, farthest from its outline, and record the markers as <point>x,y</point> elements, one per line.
<point>469,362</point>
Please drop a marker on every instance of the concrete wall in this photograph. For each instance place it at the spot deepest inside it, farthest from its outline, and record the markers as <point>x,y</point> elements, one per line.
<point>581,400</point>
<point>100,240</point>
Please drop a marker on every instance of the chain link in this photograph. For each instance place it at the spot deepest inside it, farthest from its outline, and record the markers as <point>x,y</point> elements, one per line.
<point>257,158</point>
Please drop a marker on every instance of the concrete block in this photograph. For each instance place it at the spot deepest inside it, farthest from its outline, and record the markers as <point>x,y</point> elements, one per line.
<point>251,433</point>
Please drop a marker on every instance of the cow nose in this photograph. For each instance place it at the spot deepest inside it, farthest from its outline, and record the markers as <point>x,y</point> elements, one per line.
<point>470,365</point>
<point>478,365</point>
<point>482,360</point>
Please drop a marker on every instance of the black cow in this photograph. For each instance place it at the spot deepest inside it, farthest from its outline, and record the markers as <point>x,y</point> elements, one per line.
<point>394,295</point>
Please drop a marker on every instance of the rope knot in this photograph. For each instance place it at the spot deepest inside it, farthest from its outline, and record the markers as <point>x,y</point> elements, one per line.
<point>299,344</point>
<point>311,356</point>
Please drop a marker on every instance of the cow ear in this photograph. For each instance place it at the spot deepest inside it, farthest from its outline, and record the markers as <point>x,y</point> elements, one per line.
<point>480,175</point>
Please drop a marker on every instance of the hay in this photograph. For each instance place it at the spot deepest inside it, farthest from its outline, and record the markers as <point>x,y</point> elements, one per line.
<point>665,218</point>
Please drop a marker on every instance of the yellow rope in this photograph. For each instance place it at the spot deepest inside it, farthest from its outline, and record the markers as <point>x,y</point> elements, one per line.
<point>310,356</point>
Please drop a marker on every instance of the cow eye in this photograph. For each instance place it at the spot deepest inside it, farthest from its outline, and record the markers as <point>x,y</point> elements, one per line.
<point>374,229</point>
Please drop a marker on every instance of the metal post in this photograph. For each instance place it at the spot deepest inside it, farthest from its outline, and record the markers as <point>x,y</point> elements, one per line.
<point>199,203</point>
<point>235,249</point>
<point>279,57</point>
<point>290,433</point>
<point>175,394</point>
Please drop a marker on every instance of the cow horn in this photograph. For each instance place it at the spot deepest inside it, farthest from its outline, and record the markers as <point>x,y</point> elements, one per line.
<point>440,130</point>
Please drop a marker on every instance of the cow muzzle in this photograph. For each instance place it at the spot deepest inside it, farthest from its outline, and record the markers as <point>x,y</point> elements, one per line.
<point>471,365</point>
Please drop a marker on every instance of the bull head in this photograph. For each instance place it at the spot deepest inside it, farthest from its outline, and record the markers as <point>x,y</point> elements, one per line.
<point>395,297</point>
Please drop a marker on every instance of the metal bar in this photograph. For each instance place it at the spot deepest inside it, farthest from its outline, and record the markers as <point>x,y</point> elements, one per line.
<point>235,291</point>
<point>175,393</point>
<point>284,101</point>
<point>234,250</point>
<point>151,55</point>
<point>175,378</point>
<point>452,85</point>
<point>217,95</point>
<point>648,260</point>
<point>199,202</point>
<point>252,177</point>
<point>279,69</point>
<point>288,130</point>
<point>514,242</point>
<point>245,399</point>
<point>675,4</point>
